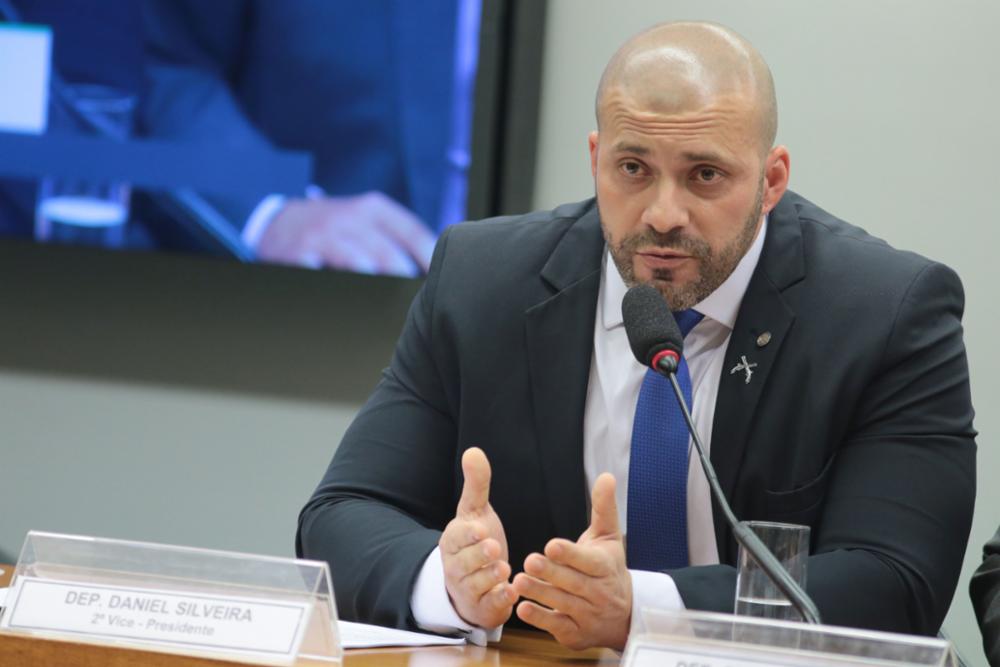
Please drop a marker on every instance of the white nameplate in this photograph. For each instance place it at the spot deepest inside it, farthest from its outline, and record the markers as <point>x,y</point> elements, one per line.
<point>652,655</point>
<point>683,638</point>
<point>677,652</point>
<point>186,621</point>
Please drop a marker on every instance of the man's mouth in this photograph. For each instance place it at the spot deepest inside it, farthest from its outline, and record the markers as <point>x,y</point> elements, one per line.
<point>662,258</point>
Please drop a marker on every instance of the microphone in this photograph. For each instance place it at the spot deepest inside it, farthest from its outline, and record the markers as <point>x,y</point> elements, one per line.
<point>656,342</point>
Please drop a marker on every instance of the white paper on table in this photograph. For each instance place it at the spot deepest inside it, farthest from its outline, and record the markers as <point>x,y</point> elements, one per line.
<point>3,596</point>
<point>361,635</point>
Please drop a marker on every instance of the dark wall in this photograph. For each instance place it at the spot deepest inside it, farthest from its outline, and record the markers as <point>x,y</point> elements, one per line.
<point>197,323</point>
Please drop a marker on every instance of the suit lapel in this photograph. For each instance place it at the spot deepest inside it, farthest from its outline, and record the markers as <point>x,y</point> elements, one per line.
<point>560,339</point>
<point>763,312</point>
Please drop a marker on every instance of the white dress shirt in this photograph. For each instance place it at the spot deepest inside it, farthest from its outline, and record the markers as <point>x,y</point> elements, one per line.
<point>612,395</point>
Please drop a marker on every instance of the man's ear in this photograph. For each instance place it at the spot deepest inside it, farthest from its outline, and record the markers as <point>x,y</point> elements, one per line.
<point>776,171</point>
<point>592,142</point>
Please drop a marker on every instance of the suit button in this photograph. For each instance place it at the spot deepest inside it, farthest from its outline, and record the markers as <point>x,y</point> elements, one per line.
<point>764,339</point>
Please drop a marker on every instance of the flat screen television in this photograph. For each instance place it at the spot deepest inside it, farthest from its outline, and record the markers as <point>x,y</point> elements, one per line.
<point>312,133</point>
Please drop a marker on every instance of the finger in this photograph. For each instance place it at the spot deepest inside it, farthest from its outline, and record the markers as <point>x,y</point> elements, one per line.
<point>417,242</point>
<point>482,581</point>
<point>552,597</point>
<point>473,557</point>
<point>403,227</point>
<point>567,578</point>
<point>476,488</point>
<point>345,254</point>
<point>497,605</point>
<point>423,251</point>
<point>310,259</point>
<point>461,533</point>
<point>604,509</point>
<point>557,624</point>
<point>502,596</point>
<point>587,559</point>
<point>378,249</point>
<point>360,263</point>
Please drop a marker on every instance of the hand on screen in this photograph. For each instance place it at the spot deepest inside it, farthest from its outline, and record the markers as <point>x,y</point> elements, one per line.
<point>474,551</point>
<point>368,233</point>
<point>581,593</point>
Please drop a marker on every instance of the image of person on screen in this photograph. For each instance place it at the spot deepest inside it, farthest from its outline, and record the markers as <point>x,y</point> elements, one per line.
<point>378,92</point>
<point>515,449</point>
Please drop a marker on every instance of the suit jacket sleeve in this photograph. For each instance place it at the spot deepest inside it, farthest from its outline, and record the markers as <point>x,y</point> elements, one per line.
<point>392,479</point>
<point>985,591</point>
<point>891,533</point>
<point>192,50</point>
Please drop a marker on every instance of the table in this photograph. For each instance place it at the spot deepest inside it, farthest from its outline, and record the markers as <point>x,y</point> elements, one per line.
<point>519,648</point>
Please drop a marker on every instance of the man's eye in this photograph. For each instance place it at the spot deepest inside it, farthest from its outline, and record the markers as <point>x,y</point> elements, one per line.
<point>708,174</point>
<point>631,168</point>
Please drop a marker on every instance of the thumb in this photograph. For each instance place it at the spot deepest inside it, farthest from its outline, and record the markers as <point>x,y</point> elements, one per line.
<point>476,489</point>
<point>604,509</point>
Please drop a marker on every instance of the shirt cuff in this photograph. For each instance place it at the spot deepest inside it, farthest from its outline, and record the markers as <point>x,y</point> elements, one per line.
<point>260,218</point>
<point>652,589</point>
<point>432,608</point>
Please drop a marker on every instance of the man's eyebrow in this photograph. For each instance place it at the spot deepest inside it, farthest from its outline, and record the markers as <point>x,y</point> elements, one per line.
<point>689,156</point>
<point>623,147</point>
<point>704,156</point>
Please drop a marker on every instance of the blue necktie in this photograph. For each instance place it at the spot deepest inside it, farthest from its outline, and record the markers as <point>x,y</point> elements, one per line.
<point>658,469</point>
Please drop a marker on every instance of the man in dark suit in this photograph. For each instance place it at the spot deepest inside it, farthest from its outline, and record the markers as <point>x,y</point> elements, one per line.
<point>370,89</point>
<point>828,375</point>
<point>985,591</point>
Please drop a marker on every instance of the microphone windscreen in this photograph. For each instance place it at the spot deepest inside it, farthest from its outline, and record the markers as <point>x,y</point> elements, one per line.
<point>649,324</point>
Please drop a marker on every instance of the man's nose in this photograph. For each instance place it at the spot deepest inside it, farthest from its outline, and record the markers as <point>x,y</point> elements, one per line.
<point>668,210</point>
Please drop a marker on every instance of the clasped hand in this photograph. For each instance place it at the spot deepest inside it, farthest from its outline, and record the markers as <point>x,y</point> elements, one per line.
<point>579,592</point>
<point>369,233</point>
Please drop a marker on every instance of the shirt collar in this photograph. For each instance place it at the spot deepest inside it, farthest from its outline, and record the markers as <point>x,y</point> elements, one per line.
<point>722,305</point>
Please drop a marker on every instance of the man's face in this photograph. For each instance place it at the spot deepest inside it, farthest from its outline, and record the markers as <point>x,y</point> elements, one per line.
<point>681,193</point>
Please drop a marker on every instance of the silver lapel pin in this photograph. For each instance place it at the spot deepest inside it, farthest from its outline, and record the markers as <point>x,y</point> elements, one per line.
<point>744,366</point>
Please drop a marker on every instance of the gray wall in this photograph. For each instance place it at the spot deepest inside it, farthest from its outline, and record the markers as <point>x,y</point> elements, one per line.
<point>177,399</point>
<point>889,110</point>
<point>196,402</point>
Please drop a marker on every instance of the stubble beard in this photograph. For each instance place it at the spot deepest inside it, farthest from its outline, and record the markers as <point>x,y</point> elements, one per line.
<point>713,268</point>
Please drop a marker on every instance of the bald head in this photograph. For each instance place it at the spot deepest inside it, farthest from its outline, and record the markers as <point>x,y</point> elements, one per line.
<point>686,66</point>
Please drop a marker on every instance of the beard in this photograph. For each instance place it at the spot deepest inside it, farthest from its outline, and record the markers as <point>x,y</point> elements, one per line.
<point>713,267</point>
